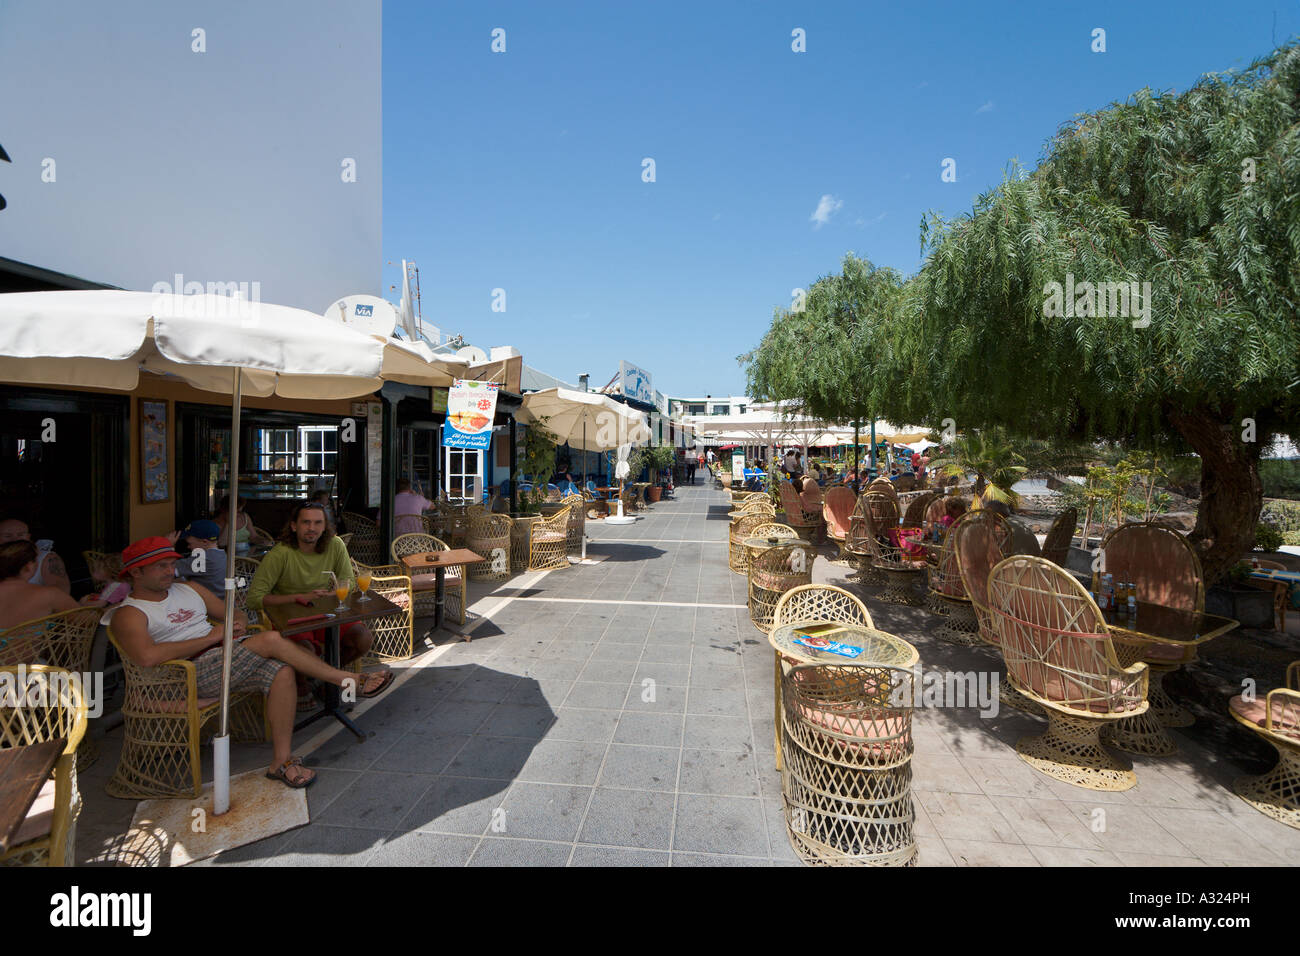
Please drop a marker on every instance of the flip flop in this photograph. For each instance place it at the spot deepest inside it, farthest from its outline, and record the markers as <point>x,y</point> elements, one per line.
<point>279,774</point>
<point>388,677</point>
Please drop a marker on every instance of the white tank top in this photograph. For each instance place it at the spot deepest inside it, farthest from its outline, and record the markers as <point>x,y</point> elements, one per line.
<point>181,616</point>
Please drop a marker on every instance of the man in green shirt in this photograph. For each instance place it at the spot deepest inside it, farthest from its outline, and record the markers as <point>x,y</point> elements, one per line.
<point>294,571</point>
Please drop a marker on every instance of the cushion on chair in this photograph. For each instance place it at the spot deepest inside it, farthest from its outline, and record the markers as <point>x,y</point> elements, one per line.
<point>1057,688</point>
<point>429,582</point>
<point>39,818</point>
<point>1256,711</point>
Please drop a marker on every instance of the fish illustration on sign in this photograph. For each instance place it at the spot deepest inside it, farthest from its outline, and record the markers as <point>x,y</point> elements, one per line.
<point>4,157</point>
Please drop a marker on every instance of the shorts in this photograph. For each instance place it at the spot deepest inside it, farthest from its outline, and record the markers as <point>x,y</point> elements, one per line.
<point>317,637</point>
<point>248,671</point>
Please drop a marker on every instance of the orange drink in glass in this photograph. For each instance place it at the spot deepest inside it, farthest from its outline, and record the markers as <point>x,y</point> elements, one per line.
<point>363,584</point>
<point>341,592</point>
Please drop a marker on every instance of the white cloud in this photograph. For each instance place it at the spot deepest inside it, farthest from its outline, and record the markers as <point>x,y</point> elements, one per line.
<point>827,206</point>
<point>986,108</point>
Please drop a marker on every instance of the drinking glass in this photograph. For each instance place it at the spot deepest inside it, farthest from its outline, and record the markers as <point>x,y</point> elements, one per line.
<point>363,584</point>
<point>341,592</point>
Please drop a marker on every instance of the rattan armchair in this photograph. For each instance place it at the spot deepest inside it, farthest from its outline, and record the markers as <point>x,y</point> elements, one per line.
<point>917,508</point>
<point>837,508</point>
<point>847,748</point>
<point>548,542</point>
<point>47,836</point>
<point>887,557</point>
<point>772,573</point>
<point>1059,653</point>
<point>1276,718</point>
<point>244,570</point>
<point>979,540</point>
<point>1056,548</point>
<point>577,525</point>
<point>61,640</point>
<point>365,545</point>
<point>489,536</point>
<point>1167,571</point>
<point>806,523</point>
<point>162,719</point>
<point>425,585</point>
<point>393,634</point>
<point>774,530</point>
<point>742,528</point>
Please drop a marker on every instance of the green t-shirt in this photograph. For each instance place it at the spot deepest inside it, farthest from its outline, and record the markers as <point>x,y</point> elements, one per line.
<point>287,570</point>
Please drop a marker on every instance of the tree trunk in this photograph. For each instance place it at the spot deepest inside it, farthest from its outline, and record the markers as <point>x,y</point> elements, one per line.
<point>1231,492</point>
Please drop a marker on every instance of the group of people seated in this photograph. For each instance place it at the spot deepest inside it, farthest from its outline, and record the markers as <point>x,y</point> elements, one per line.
<point>175,609</point>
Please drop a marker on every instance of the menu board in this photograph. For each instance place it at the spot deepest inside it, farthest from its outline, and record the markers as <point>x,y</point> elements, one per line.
<point>471,409</point>
<point>738,467</point>
<point>374,453</point>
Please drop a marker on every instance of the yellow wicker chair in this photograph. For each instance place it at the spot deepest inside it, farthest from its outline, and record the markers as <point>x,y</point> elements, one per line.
<point>47,836</point>
<point>104,567</point>
<point>61,640</point>
<point>867,541</point>
<point>772,573</point>
<point>810,604</point>
<point>742,528</point>
<point>394,634</point>
<point>577,526</point>
<point>489,535</point>
<point>774,530</point>
<point>739,497</point>
<point>548,542</point>
<point>433,523</point>
<point>347,540</point>
<point>454,583</point>
<point>1059,653</point>
<point>365,545</point>
<point>163,718</point>
<point>245,569</point>
<point>1056,547</point>
<point>1276,718</point>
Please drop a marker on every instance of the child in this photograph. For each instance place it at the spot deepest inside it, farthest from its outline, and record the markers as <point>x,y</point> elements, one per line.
<point>209,567</point>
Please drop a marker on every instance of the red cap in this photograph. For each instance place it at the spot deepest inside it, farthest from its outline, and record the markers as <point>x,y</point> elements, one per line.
<point>145,552</point>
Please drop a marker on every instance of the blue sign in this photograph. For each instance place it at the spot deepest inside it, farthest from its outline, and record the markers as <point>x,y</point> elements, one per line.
<point>453,437</point>
<point>365,310</point>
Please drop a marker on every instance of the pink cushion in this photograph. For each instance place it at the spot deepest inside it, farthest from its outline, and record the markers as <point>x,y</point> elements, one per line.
<point>39,818</point>
<point>429,582</point>
<point>1163,652</point>
<point>1286,713</point>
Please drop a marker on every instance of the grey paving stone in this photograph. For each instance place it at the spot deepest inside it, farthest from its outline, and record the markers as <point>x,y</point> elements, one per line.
<point>721,772</point>
<point>329,784</point>
<point>717,859</point>
<point>649,729</point>
<point>718,733</point>
<point>320,845</point>
<point>541,811</point>
<point>498,758</point>
<point>608,672</point>
<point>423,849</point>
<point>419,753</point>
<point>731,825</point>
<point>655,698</point>
<point>660,673</point>
<point>519,720</point>
<point>631,767</point>
<point>630,818</point>
<point>574,762</point>
<point>666,653</point>
<point>616,856</point>
<point>459,718</point>
<point>501,852</point>
<point>578,723</point>
<point>380,804</point>
<point>718,701</point>
<point>456,805</point>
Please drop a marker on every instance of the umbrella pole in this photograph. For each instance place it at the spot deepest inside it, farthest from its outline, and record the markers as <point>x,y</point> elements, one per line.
<point>221,743</point>
<point>583,479</point>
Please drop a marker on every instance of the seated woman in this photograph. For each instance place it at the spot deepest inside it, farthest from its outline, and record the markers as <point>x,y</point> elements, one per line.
<point>246,534</point>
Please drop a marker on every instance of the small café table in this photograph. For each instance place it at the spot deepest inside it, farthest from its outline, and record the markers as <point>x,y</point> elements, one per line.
<point>754,546</point>
<point>439,562</point>
<point>1166,638</point>
<point>23,771</point>
<point>878,647</point>
<point>291,619</point>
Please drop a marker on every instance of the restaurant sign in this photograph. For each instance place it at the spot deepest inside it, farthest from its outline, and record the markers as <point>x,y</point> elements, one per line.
<point>471,409</point>
<point>636,383</point>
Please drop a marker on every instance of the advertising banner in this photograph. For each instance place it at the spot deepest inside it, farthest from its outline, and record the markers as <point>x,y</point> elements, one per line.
<point>738,467</point>
<point>636,383</point>
<point>471,407</point>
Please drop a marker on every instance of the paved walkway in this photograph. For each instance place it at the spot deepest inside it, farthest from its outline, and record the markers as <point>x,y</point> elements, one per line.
<point>620,712</point>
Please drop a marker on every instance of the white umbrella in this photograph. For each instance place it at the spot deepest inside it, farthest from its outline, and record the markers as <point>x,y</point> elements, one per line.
<point>218,344</point>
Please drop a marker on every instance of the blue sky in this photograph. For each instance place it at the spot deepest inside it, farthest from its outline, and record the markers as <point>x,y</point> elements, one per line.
<point>523,170</point>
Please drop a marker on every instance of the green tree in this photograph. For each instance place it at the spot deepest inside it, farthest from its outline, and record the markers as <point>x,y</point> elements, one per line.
<point>991,457</point>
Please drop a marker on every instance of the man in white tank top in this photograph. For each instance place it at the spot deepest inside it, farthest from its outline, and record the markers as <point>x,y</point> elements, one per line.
<point>164,619</point>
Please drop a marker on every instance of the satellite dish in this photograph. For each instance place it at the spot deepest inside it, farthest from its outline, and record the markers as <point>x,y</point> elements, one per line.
<point>368,314</point>
<point>472,354</point>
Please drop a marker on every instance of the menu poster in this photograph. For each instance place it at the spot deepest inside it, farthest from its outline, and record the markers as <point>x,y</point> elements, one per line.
<point>155,483</point>
<point>471,408</point>
<point>374,453</point>
<point>738,467</point>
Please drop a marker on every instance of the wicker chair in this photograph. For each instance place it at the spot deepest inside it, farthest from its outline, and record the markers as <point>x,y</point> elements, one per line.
<point>883,486</point>
<point>847,747</point>
<point>774,530</point>
<point>905,483</point>
<point>979,540</point>
<point>548,542</point>
<point>1059,653</point>
<point>806,523</point>
<point>1276,718</point>
<point>577,526</point>
<point>914,517</point>
<point>1166,570</point>
<point>393,634</point>
<point>365,545</point>
<point>742,528</point>
<point>489,535</point>
<point>740,497</point>
<point>1057,546</point>
<point>245,569</point>
<point>425,585</point>
<point>62,640</point>
<point>887,556</point>
<point>837,509</point>
<point>47,836</point>
<point>163,717</point>
<point>347,540</point>
<point>810,604</point>
<point>104,567</point>
<point>772,573</point>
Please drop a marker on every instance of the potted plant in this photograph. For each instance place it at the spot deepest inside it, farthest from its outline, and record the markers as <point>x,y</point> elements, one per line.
<point>538,462</point>
<point>658,459</point>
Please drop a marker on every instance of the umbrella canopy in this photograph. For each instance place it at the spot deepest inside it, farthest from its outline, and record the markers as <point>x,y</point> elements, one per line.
<point>104,338</point>
<point>588,421</point>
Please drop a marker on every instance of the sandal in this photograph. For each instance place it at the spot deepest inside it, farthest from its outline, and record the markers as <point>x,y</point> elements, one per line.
<point>386,678</point>
<point>281,773</point>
